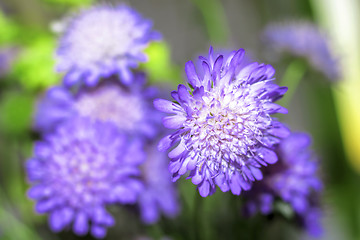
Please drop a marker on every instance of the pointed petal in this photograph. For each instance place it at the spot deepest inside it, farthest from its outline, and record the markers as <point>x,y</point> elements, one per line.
<point>173,122</point>
<point>81,226</point>
<point>268,155</point>
<point>165,106</point>
<point>191,74</point>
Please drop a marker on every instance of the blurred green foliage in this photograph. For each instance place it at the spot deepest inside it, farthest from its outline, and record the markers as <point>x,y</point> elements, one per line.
<point>34,67</point>
<point>159,66</point>
<point>8,30</point>
<point>71,3</point>
<point>16,113</point>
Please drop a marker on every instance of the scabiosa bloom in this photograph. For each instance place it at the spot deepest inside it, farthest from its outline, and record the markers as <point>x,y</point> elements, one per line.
<point>224,128</point>
<point>129,107</point>
<point>79,169</point>
<point>306,40</point>
<point>159,195</point>
<point>294,180</point>
<point>102,41</point>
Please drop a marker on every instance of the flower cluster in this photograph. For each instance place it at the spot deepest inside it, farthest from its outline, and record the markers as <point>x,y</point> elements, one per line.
<point>99,128</point>
<point>294,180</point>
<point>79,168</point>
<point>127,106</point>
<point>225,131</point>
<point>305,40</point>
<point>102,41</point>
<point>96,146</point>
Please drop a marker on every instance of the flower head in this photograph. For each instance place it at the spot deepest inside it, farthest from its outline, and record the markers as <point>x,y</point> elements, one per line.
<point>79,169</point>
<point>159,195</point>
<point>224,128</point>
<point>305,40</point>
<point>103,41</point>
<point>127,106</point>
<point>294,180</point>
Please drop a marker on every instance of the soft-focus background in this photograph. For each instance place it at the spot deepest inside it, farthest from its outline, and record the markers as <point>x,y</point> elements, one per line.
<point>328,110</point>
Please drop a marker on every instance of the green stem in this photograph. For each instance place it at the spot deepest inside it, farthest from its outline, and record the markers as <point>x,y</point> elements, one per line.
<point>9,222</point>
<point>215,20</point>
<point>291,79</point>
<point>198,212</point>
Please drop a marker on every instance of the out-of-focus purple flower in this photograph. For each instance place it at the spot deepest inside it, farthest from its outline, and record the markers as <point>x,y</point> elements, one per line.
<point>224,131</point>
<point>7,56</point>
<point>294,180</point>
<point>306,40</point>
<point>129,107</point>
<point>102,41</point>
<point>159,195</point>
<point>79,169</point>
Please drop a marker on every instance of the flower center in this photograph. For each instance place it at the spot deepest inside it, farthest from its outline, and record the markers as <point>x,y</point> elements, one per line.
<point>79,173</point>
<point>225,127</point>
<point>112,104</point>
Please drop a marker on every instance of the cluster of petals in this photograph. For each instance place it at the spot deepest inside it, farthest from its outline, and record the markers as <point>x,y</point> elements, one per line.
<point>79,168</point>
<point>159,194</point>
<point>102,41</point>
<point>224,128</point>
<point>127,106</point>
<point>294,179</point>
<point>98,128</point>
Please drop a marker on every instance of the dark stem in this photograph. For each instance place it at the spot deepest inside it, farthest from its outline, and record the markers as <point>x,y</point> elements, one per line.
<point>198,212</point>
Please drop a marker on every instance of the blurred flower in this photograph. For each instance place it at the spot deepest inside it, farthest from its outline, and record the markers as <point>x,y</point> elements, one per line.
<point>224,128</point>
<point>7,56</point>
<point>79,169</point>
<point>127,106</point>
<point>294,179</point>
<point>159,195</point>
<point>306,40</point>
<point>102,41</point>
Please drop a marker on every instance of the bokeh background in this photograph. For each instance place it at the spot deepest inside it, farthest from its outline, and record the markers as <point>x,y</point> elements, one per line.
<point>328,110</point>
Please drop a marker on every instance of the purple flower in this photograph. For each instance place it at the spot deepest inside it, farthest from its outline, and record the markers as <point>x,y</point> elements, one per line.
<point>224,131</point>
<point>80,168</point>
<point>306,40</point>
<point>102,41</point>
<point>127,106</point>
<point>159,195</point>
<point>294,180</point>
<point>7,57</point>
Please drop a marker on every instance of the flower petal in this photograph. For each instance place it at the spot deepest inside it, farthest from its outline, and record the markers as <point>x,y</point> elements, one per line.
<point>174,122</point>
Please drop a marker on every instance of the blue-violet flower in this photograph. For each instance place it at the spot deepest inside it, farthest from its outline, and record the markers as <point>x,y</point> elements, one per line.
<point>129,107</point>
<point>306,40</point>
<point>102,41</point>
<point>294,180</point>
<point>224,128</point>
<point>159,195</point>
<point>80,168</point>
